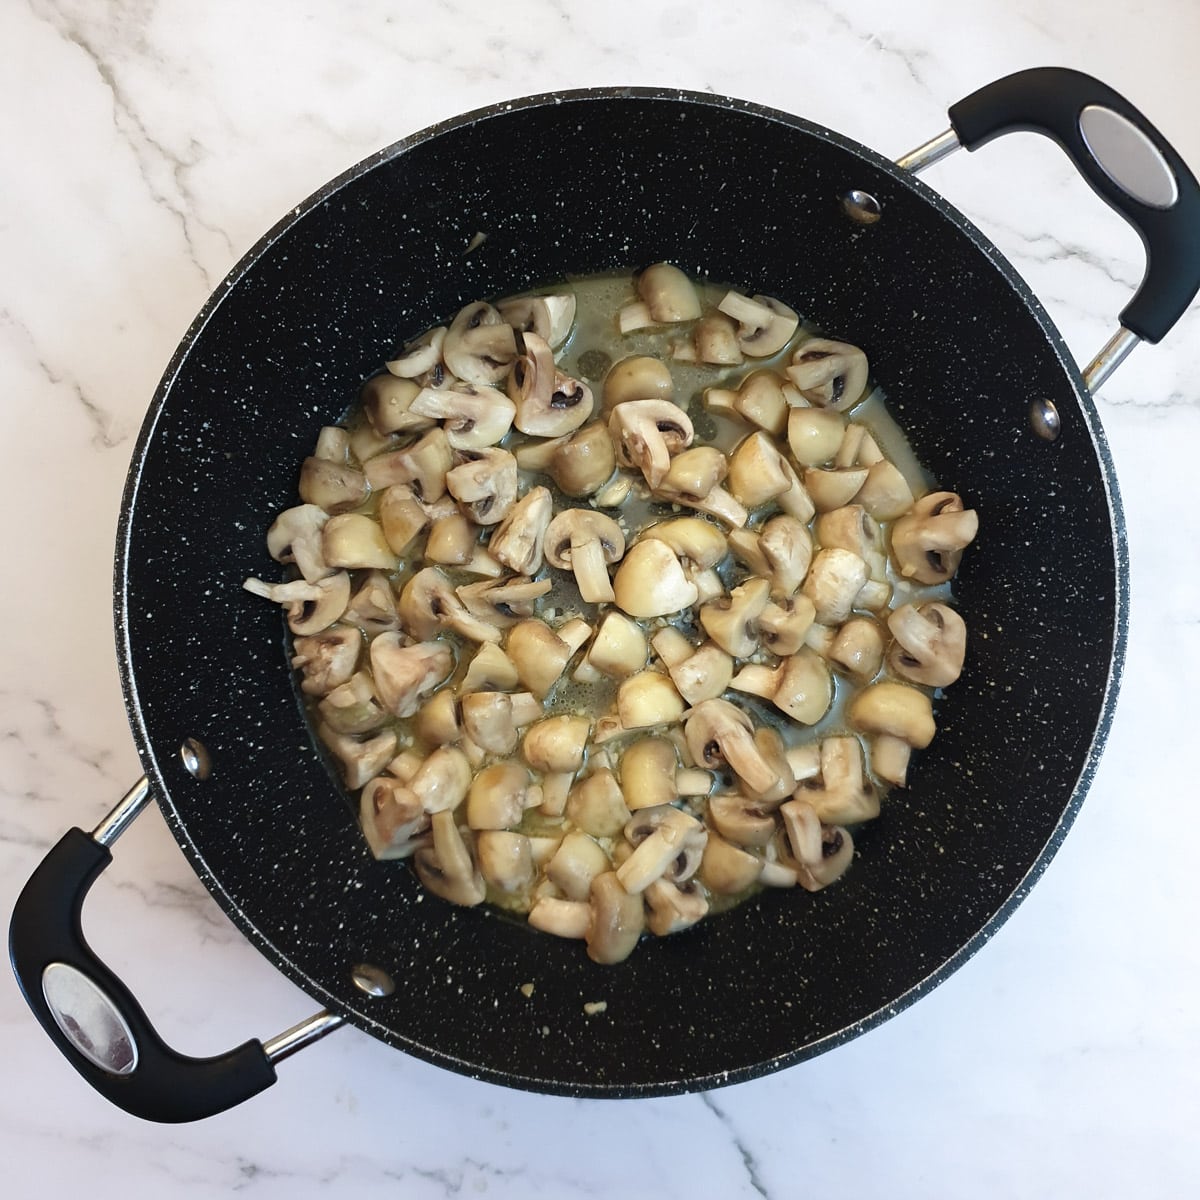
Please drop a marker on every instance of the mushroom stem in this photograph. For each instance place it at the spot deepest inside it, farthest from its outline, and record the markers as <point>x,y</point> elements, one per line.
<point>591,573</point>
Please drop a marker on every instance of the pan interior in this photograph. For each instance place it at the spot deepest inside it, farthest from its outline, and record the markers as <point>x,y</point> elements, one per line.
<point>567,186</point>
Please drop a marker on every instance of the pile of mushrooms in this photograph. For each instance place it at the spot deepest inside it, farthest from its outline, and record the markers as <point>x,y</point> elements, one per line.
<point>581,665</point>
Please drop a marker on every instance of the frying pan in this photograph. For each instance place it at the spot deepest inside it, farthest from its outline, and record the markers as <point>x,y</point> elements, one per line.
<point>565,185</point>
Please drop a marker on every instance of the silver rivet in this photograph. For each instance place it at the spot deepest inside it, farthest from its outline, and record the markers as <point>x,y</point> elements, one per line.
<point>1044,418</point>
<point>375,981</point>
<point>195,758</point>
<point>861,207</point>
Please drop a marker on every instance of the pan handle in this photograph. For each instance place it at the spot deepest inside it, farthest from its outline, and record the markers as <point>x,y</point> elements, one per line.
<point>91,1016</point>
<point>1124,159</point>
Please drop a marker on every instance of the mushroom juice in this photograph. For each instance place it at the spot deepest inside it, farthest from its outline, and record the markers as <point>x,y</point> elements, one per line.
<point>619,602</point>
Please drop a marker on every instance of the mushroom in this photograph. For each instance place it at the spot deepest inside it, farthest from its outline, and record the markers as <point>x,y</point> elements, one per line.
<point>702,675</point>
<point>765,325</point>
<point>446,867</point>
<point>480,345</point>
<point>800,686</point>
<point>373,606</point>
<point>727,869</point>
<point>577,861</point>
<point>556,744</point>
<point>650,582</point>
<point>563,918</point>
<point>360,760</point>
<point>858,649</point>
<point>597,806</point>
<point>648,769</point>
<point>488,720</point>
<point>437,722</point>
<point>696,542</point>
<point>295,537</point>
<point>885,493</point>
<point>326,659</point>
<point>332,486</point>
<point>671,847</point>
<point>618,920</point>
<point>539,656</point>
<point>831,488</point>
<point>771,746</point>
<point>787,546</point>
<point>401,517</point>
<point>829,374</point>
<point>619,647</point>
<point>387,401</point>
<point>744,820</point>
<point>585,541</point>
<point>731,622</point>
<point>648,698</point>
<point>671,907</point>
<point>548,403</point>
<point>582,463</point>
<point>391,817</point>
<point>517,540</point>
<point>485,484</point>
<point>640,377</point>
<point>900,718</point>
<point>784,623</point>
<point>351,707</point>
<point>694,479</point>
<point>822,853</point>
<point>404,674</point>
<point>814,435</point>
<point>442,780</point>
<point>756,471</point>
<point>491,670</point>
<point>666,296</point>
<point>852,528</point>
<point>503,602</point>
<point>451,540</point>
<point>930,645</point>
<point>549,317</point>
<point>839,790</point>
<point>762,399</point>
<point>472,415</point>
<point>429,603</point>
<point>497,796</point>
<point>714,340</point>
<point>834,580</point>
<point>422,465</point>
<point>416,358</point>
<point>505,859</point>
<point>927,543</point>
<point>717,733</point>
<point>646,433</point>
<point>311,607</point>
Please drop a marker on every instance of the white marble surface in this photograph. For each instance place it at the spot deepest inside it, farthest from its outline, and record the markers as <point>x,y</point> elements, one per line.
<point>146,146</point>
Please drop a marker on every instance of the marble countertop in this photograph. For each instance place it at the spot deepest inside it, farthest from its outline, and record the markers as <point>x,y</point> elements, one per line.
<point>148,145</point>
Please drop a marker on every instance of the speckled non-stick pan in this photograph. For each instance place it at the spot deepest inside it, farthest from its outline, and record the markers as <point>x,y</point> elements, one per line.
<point>608,180</point>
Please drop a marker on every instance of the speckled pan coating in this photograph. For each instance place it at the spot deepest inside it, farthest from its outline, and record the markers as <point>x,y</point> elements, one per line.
<point>572,184</point>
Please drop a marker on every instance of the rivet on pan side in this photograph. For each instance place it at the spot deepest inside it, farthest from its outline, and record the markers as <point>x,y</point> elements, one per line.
<point>195,758</point>
<point>1044,419</point>
<point>375,981</point>
<point>861,207</point>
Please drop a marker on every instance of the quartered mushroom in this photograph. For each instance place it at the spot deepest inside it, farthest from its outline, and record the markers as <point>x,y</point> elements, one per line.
<point>714,340</point>
<point>479,346</point>
<point>834,581</point>
<point>372,607</point>
<point>422,465</point>
<point>822,852</point>
<point>650,582</point>
<point>387,402</point>
<point>326,659</point>
<point>550,317</point>
<point>857,649</point>
<point>829,374</point>
<point>646,433</point>
<point>732,622</point>
<point>354,540</point>
<point>442,780</point>
<point>596,804</point>
<point>787,547</point>
<point>814,435</point>
<point>503,601</point>
<point>586,542</point>
<point>518,540</point>
<point>405,674</point>
<point>332,486</point>
<point>361,759</point>
<point>583,462</point>
<point>727,869</point>
<point>618,920</point>
<point>429,604</point>
<point>484,483</point>
<point>473,415</point>
<point>668,844</point>
<point>671,907</point>
<point>757,471</point>
<point>295,537</point>
<point>548,403</point>
<point>490,670</point>
<point>445,865</point>
<point>577,861</point>
<point>417,357</point>
<point>784,624</point>
<point>505,859</point>
<point>665,296</point>
<point>497,796</point>
<point>451,541</point>
<point>840,791</point>
<point>717,733</point>
<point>899,719</point>
<point>391,817</point>
<point>639,377</point>
<point>352,707</point>
<point>930,645</point>
<point>694,478</point>
<point>619,647</point>
<point>928,542</point>
<point>765,325</point>
<point>801,685</point>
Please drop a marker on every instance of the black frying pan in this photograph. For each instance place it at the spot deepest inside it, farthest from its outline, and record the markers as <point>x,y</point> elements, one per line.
<point>568,185</point>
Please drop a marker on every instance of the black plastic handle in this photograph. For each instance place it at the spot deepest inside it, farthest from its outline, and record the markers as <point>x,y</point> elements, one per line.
<point>1050,101</point>
<point>163,1085</point>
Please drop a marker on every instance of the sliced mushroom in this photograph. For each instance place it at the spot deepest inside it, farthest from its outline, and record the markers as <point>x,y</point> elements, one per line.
<point>585,541</point>
<point>485,484</point>
<point>646,433</point>
<point>671,907</point>
<point>717,733</point>
<point>429,603</point>
<point>295,537</point>
<point>326,659</point>
<point>774,752</point>
<point>497,796</point>
<point>930,645</point>
<point>732,622</point>
<point>351,707</point>
<point>404,674</point>
<point>618,920</point>
<point>391,817</point>
<point>472,414</point>
<point>548,403</point>
<point>829,374</point>
<point>928,542</point>
<point>640,377</point>
<point>417,357</point>
<point>765,325</point>
<point>582,463</point>
<point>839,791</point>
<point>446,868</point>
<point>900,718</point>
<point>360,759</point>
<point>480,345</point>
<point>517,540</point>
<point>549,317</point>
<point>834,581</point>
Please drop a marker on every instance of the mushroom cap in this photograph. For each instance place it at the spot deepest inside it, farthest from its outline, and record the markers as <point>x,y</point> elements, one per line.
<point>618,920</point>
<point>930,645</point>
<point>731,622</point>
<point>814,434</point>
<point>584,462</point>
<point>639,377</point>
<point>556,743</point>
<point>896,709</point>
<point>355,540</point>
<point>650,582</point>
<point>668,293</point>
